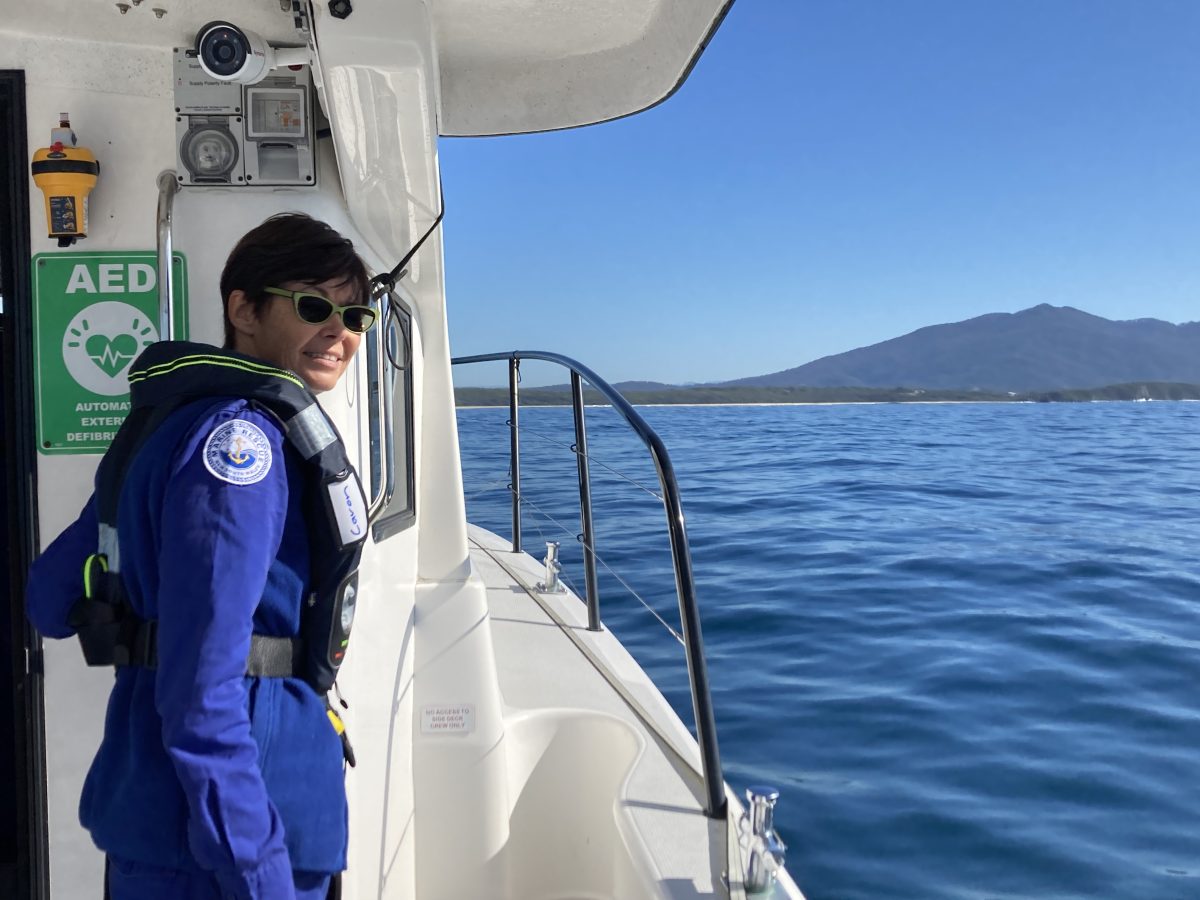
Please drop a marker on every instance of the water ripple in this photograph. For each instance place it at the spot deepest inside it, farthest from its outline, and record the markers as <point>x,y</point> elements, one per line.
<point>963,639</point>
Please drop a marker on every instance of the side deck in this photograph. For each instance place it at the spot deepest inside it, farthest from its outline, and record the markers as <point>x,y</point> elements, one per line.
<point>630,765</point>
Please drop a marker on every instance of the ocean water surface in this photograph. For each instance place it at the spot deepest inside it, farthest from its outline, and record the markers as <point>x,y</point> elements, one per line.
<point>963,640</point>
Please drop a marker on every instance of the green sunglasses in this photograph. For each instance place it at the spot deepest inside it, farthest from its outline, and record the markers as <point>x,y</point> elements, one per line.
<point>315,309</point>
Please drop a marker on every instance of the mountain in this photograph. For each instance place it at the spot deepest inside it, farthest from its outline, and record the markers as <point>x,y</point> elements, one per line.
<point>1039,349</point>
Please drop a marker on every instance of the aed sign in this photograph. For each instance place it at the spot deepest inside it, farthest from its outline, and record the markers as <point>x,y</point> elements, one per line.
<point>93,314</point>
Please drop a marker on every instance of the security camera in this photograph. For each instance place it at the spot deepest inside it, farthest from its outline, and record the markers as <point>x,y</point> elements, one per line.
<point>229,53</point>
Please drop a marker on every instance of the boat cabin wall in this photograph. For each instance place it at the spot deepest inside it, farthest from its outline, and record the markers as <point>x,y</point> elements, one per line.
<point>376,183</point>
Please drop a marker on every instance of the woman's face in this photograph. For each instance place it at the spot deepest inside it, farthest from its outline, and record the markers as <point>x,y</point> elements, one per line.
<point>319,354</point>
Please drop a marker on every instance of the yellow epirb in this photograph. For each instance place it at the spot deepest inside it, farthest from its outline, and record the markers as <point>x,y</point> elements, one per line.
<point>66,175</point>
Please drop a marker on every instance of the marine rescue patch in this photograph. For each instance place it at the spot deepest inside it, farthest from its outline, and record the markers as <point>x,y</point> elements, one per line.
<point>238,452</point>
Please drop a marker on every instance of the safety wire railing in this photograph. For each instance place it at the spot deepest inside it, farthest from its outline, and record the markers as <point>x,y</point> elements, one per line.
<point>506,486</point>
<point>668,493</point>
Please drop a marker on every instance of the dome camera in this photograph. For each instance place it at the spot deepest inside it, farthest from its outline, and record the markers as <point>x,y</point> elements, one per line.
<point>229,53</point>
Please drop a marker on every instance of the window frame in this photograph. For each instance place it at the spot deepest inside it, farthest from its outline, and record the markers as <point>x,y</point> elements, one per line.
<point>385,519</point>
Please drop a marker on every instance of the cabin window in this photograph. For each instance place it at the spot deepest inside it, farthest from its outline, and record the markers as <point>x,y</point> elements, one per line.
<point>389,362</point>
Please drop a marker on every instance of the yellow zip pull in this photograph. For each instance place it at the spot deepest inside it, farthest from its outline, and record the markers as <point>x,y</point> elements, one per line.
<point>340,727</point>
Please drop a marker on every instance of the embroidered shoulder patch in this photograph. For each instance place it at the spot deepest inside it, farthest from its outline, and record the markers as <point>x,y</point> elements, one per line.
<point>238,452</point>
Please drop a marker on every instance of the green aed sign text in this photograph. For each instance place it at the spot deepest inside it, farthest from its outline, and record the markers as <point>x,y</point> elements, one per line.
<point>93,314</point>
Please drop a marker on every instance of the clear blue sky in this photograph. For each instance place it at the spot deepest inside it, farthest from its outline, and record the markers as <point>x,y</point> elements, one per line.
<point>839,172</point>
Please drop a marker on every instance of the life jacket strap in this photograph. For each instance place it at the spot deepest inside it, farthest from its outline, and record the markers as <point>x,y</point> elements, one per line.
<point>269,657</point>
<point>138,645</point>
<point>275,657</point>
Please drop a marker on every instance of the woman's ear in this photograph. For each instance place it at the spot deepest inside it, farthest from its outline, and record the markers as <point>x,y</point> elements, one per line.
<point>242,316</point>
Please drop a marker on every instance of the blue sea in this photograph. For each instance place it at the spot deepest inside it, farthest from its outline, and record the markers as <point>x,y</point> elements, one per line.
<point>963,640</point>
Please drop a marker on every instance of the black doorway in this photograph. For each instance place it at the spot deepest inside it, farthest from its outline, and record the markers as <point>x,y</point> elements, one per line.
<point>23,869</point>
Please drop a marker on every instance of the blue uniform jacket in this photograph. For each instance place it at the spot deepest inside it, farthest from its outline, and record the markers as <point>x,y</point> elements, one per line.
<point>201,766</point>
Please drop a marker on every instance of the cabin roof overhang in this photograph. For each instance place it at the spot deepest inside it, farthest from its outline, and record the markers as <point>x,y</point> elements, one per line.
<point>517,66</point>
<point>505,66</point>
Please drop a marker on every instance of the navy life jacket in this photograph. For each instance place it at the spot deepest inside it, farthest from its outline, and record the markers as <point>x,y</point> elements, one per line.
<point>164,378</point>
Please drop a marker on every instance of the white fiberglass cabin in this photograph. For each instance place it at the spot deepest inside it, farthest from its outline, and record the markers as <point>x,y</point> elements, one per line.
<point>507,745</point>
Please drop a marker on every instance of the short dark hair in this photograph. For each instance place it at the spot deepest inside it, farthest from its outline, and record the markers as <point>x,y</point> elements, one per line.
<point>288,247</point>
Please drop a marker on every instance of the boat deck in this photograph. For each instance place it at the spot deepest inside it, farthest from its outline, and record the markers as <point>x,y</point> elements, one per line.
<point>659,806</point>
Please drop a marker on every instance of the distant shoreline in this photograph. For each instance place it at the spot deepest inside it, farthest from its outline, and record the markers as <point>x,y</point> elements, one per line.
<point>480,398</point>
<point>590,405</point>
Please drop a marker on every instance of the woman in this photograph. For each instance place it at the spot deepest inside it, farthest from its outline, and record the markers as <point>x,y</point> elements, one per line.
<point>211,782</point>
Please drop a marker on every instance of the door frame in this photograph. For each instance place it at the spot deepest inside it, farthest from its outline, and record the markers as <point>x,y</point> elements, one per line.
<point>20,516</point>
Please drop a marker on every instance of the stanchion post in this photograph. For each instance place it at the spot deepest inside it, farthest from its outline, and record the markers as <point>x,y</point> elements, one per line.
<point>585,504</point>
<point>514,450</point>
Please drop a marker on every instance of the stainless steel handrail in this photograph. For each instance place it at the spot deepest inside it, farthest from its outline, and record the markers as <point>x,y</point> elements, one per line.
<point>685,588</point>
<point>168,187</point>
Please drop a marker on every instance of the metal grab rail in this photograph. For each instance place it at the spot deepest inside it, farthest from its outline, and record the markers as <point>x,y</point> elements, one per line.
<point>685,588</point>
<point>168,187</point>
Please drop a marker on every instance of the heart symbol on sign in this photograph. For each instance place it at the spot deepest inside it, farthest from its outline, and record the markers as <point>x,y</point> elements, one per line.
<point>111,354</point>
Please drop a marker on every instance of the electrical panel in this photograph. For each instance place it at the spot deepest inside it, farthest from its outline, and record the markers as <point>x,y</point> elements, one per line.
<point>233,135</point>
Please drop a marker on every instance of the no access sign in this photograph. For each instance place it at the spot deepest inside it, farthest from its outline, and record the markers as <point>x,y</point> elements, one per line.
<point>93,314</point>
